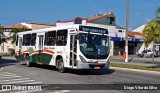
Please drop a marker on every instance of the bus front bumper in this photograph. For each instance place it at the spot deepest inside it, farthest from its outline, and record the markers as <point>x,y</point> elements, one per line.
<point>82,65</point>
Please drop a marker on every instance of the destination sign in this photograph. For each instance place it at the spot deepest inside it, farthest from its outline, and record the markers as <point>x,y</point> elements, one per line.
<point>93,29</point>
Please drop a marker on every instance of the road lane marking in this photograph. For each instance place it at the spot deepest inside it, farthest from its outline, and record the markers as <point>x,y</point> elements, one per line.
<point>13,79</point>
<point>26,91</point>
<point>62,91</point>
<point>9,77</point>
<point>18,82</point>
<point>34,83</point>
<point>2,75</point>
<point>5,73</point>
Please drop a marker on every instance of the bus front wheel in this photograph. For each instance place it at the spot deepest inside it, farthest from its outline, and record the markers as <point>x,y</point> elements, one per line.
<point>61,67</point>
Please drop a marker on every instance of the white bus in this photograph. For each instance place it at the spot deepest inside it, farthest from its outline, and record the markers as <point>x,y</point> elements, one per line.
<point>73,46</point>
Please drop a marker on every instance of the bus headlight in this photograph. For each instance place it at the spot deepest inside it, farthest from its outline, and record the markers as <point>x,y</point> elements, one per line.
<point>82,59</point>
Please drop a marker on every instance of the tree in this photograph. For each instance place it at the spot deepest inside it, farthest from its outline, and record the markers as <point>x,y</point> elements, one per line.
<point>157,15</point>
<point>151,32</point>
<point>14,32</point>
<point>2,36</point>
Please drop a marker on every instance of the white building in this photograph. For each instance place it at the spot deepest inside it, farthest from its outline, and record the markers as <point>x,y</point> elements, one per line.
<point>5,47</point>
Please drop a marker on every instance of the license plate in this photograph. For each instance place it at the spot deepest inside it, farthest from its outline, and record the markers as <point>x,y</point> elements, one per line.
<point>96,67</point>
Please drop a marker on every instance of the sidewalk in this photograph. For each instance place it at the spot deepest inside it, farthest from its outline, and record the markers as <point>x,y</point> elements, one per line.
<point>134,60</point>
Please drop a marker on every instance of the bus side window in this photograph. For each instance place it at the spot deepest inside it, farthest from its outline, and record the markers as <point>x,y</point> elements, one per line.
<point>61,37</point>
<point>33,39</point>
<point>50,38</point>
<point>46,38</point>
<point>27,40</point>
<point>24,38</point>
<point>17,40</point>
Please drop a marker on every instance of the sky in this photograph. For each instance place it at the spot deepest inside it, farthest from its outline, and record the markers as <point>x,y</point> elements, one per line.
<point>49,11</point>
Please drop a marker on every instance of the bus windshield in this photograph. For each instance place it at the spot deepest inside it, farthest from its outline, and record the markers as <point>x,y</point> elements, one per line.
<point>94,46</point>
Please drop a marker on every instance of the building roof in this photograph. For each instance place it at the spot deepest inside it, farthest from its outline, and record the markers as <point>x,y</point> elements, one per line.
<point>59,21</point>
<point>94,17</point>
<point>39,23</point>
<point>20,26</point>
<point>139,29</point>
<point>133,34</point>
<point>97,16</point>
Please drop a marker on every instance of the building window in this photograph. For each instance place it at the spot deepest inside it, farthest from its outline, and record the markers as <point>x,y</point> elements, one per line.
<point>61,37</point>
<point>112,19</point>
<point>50,38</point>
<point>78,21</point>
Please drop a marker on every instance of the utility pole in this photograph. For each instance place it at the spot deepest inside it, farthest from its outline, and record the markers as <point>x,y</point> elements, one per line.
<point>0,39</point>
<point>153,50</point>
<point>126,33</point>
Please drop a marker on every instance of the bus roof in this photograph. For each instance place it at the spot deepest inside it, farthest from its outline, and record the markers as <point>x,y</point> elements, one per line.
<point>75,26</point>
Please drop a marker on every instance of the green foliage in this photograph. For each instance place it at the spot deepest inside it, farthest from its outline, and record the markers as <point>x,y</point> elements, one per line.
<point>13,34</point>
<point>151,31</point>
<point>157,12</point>
<point>2,36</point>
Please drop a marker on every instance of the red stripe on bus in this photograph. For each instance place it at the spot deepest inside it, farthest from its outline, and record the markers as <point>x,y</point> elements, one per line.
<point>44,50</point>
<point>49,51</point>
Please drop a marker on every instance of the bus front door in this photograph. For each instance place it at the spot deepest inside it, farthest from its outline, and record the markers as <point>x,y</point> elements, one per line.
<point>20,48</point>
<point>40,49</point>
<point>73,50</point>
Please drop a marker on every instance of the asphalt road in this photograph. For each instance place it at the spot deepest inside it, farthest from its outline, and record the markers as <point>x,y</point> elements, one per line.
<point>14,72</point>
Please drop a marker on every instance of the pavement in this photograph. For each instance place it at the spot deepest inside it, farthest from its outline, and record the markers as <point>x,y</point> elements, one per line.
<point>134,60</point>
<point>17,73</point>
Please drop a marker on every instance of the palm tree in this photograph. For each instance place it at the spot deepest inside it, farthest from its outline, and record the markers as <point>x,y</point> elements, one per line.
<point>2,38</point>
<point>151,32</point>
<point>13,34</point>
<point>158,13</point>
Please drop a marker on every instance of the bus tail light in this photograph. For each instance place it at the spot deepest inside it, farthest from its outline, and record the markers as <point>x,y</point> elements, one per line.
<point>82,59</point>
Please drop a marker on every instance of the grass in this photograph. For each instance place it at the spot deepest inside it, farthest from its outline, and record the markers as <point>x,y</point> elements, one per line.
<point>135,67</point>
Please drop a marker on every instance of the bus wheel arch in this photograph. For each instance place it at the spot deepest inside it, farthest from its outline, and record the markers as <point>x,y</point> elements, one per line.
<point>60,64</point>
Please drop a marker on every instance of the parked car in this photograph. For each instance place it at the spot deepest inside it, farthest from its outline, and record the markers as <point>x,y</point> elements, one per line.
<point>146,53</point>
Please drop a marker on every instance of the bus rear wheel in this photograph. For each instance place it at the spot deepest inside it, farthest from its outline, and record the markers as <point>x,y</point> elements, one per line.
<point>28,63</point>
<point>61,67</point>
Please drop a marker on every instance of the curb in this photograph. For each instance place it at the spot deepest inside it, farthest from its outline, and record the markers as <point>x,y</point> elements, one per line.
<point>136,70</point>
<point>8,58</point>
